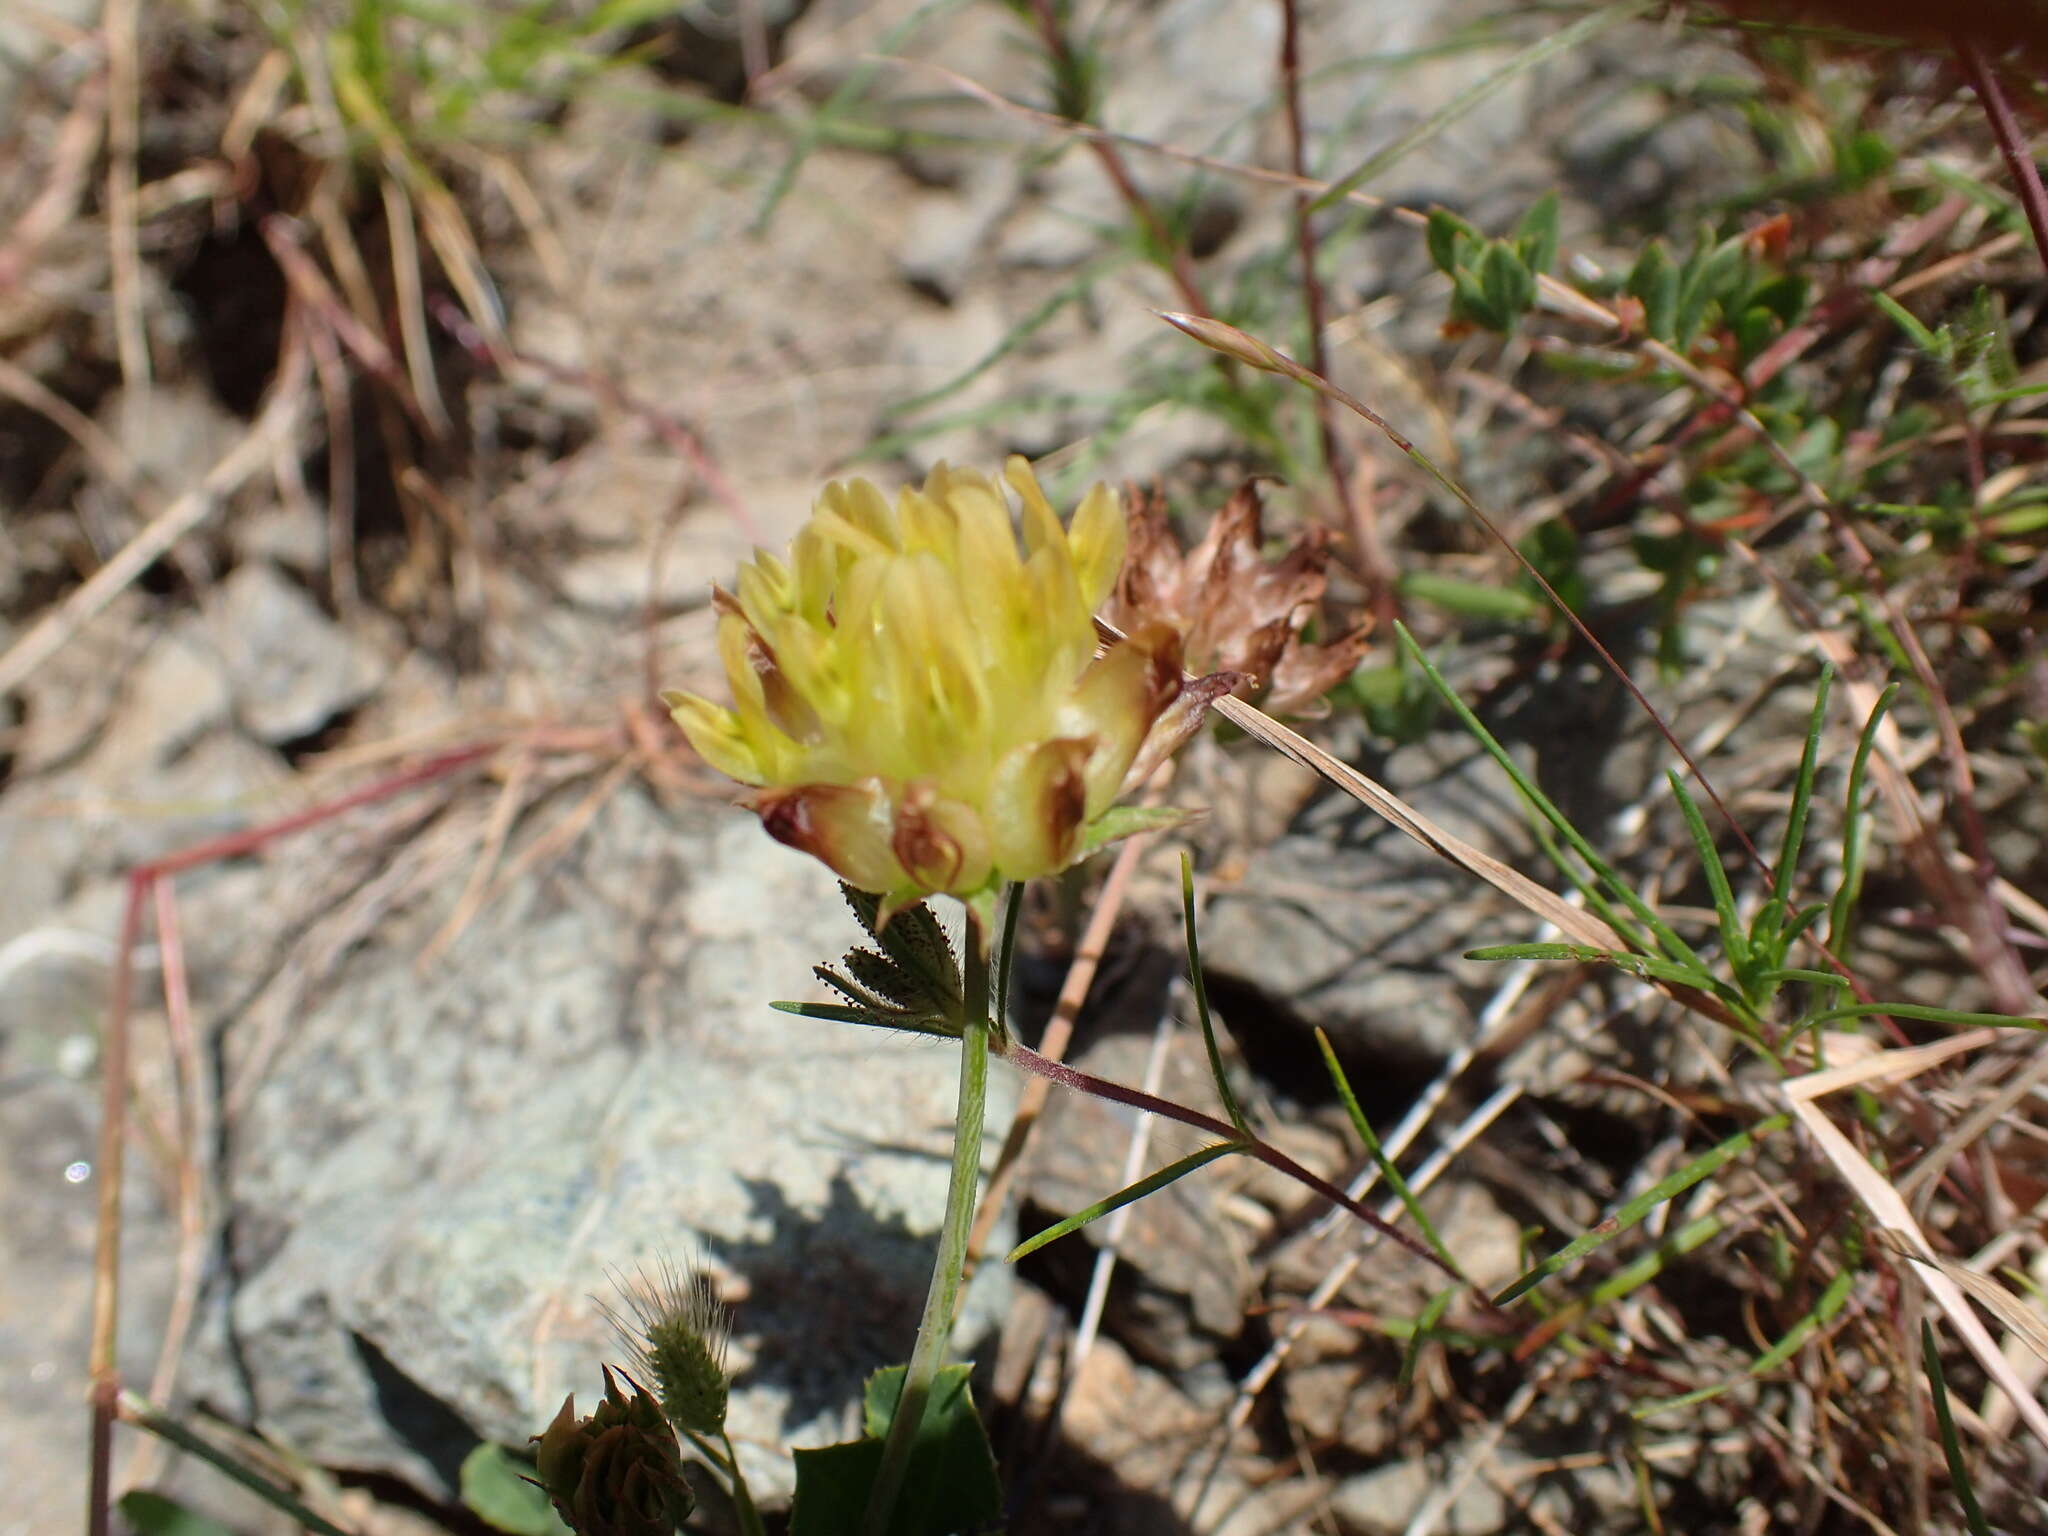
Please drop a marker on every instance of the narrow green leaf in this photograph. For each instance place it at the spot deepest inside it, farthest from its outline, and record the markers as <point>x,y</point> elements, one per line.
<point>1443,233</point>
<point>1231,1109</point>
<point>1802,786</point>
<point>1929,1015</point>
<point>1653,281</point>
<point>1472,599</point>
<point>1905,320</point>
<point>1951,1446</point>
<point>1701,1167</point>
<point>1425,1328</point>
<point>1855,829</point>
<point>1005,951</point>
<point>1381,1161</point>
<point>1645,967</point>
<point>1123,1197</point>
<point>1784,973</point>
<point>1640,1272</point>
<point>834,1013</point>
<point>1542,805</point>
<point>1824,1310</point>
<point>1734,938</point>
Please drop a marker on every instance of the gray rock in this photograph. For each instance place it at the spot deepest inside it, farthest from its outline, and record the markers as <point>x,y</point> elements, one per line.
<point>1177,1241</point>
<point>290,668</point>
<point>1381,1502</point>
<point>1351,926</point>
<point>439,1167</point>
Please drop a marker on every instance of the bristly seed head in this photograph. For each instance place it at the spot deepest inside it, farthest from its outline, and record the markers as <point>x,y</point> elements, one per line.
<point>676,1331</point>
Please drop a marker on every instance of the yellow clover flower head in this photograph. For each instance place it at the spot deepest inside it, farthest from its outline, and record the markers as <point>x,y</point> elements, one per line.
<point>918,697</point>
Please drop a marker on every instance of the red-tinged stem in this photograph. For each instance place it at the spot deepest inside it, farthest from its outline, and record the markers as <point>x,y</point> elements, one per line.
<point>142,883</point>
<point>2012,144</point>
<point>1060,1072</point>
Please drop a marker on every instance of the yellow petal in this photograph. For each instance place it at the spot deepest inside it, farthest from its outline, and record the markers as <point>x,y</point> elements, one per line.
<point>716,735</point>
<point>1038,806</point>
<point>1097,540</point>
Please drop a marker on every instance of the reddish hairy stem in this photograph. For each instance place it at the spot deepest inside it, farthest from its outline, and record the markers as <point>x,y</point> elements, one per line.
<point>2012,145</point>
<point>1067,1076</point>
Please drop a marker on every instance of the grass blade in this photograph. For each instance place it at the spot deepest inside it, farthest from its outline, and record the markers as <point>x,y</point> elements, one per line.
<point>1855,833</point>
<point>1425,1328</point>
<point>1703,1166</point>
<point>1187,907</point>
<point>1123,1197</point>
<point>1802,787</point>
<point>1381,1161</point>
<point>1734,938</point>
<point>1542,804</point>
<point>1951,1447</point>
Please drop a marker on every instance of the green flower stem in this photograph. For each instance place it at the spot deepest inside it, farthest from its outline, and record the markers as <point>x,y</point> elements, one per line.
<point>742,1495</point>
<point>935,1328</point>
<point>728,1462</point>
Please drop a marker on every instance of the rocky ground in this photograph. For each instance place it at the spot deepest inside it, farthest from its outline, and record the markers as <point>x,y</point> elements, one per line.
<point>454,1054</point>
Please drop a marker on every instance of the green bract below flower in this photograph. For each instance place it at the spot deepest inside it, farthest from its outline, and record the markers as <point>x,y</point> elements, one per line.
<point>919,699</point>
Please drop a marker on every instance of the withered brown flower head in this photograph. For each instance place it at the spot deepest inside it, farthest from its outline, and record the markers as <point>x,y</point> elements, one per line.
<point>1236,610</point>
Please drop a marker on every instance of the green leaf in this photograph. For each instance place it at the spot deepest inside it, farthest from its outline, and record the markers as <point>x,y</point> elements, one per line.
<point>1802,786</point>
<point>151,1514</point>
<point>838,1013</point>
<point>1536,233</point>
<point>1509,286</point>
<point>1708,1163</point>
<point>949,1487</point>
<point>1470,304</point>
<point>1149,1184</point>
<point>495,1489</point>
<point>1444,233</point>
<point>1653,282</point>
<point>1472,599</point>
<point>1951,1446</point>
<point>1643,967</point>
<point>1381,1161</point>
<point>1121,821</point>
<point>1425,1326</point>
<point>1733,937</point>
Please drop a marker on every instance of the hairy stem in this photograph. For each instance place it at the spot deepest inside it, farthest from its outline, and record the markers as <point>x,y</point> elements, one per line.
<point>935,1328</point>
<point>742,1495</point>
<point>1119,1093</point>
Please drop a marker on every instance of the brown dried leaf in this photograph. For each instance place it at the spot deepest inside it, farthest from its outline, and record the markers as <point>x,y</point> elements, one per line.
<point>1236,610</point>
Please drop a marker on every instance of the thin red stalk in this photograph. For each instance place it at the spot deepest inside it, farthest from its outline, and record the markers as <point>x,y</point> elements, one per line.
<point>1136,1098</point>
<point>2012,144</point>
<point>142,882</point>
<point>1179,266</point>
<point>671,431</point>
<point>1360,514</point>
<point>106,1260</point>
